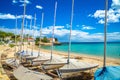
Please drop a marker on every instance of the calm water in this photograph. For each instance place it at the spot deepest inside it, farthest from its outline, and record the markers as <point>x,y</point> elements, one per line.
<point>113,48</point>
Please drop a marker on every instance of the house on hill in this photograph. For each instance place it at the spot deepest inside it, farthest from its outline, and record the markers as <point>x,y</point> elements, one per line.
<point>50,39</point>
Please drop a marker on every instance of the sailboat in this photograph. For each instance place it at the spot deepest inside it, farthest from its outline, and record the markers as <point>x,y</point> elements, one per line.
<point>31,56</point>
<point>107,72</point>
<point>71,65</point>
<point>40,58</point>
<point>53,63</point>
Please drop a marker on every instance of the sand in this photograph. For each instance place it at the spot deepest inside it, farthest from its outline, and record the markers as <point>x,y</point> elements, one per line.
<point>83,58</point>
<point>3,75</point>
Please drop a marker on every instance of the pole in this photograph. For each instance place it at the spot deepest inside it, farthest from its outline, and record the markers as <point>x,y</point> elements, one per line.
<point>31,29</point>
<point>22,32</point>
<point>69,48</point>
<point>33,33</point>
<point>105,32</point>
<point>27,38</point>
<point>15,35</point>
<point>53,30</point>
<point>41,33</point>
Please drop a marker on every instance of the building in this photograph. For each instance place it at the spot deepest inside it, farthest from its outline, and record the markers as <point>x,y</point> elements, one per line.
<point>50,39</point>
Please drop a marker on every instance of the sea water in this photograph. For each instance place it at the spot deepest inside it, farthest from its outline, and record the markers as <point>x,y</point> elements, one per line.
<point>90,48</point>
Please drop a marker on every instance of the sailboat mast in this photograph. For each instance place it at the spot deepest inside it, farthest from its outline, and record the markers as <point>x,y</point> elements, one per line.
<point>31,28</point>
<point>53,29</point>
<point>22,32</point>
<point>105,32</point>
<point>71,22</point>
<point>33,33</point>
<point>41,32</point>
<point>15,35</point>
<point>26,36</point>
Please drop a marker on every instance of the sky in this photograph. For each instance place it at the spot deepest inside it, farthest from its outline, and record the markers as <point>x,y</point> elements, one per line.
<point>88,19</point>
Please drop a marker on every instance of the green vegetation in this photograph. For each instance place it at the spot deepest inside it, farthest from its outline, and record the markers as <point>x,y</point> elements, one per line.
<point>6,36</point>
<point>11,45</point>
<point>45,40</point>
<point>56,40</point>
<point>3,34</point>
<point>37,41</point>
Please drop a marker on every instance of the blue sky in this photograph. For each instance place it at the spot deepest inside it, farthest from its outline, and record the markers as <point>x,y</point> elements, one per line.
<point>88,20</point>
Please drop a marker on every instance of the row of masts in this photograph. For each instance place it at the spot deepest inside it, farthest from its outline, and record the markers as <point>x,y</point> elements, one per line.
<point>33,33</point>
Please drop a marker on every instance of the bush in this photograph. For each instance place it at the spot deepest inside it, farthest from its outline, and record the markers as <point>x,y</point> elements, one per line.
<point>45,40</point>
<point>11,45</point>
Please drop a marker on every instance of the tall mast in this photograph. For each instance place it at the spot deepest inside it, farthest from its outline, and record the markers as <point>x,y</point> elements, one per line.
<point>33,33</point>
<point>31,29</point>
<point>53,29</point>
<point>41,32</point>
<point>26,36</point>
<point>105,32</point>
<point>71,21</point>
<point>15,35</point>
<point>22,32</point>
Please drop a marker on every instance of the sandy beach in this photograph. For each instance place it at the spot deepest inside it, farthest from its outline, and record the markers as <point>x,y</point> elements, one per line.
<point>3,75</point>
<point>83,58</point>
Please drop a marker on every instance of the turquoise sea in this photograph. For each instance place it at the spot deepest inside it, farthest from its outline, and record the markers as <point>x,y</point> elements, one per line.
<point>90,48</point>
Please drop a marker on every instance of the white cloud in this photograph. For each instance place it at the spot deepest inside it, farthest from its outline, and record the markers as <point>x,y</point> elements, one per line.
<point>26,16</point>
<point>77,35</point>
<point>10,16</point>
<point>14,1</point>
<point>26,1</point>
<point>6,16</point>
<point>84,27</point>
<point>113,13</point>
<point>115,4</point>
<point>21,5</point>
<point>101,21</point>
<point>114,36</point>
<point>113,16</point>
<point>39,7</point>
<point>21,1</point>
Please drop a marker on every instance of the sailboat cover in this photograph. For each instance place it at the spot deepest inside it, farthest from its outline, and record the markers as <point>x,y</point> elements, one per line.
<point>108,73</point>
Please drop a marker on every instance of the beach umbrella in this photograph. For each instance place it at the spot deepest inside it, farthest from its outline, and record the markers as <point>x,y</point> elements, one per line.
<point>107,72</point>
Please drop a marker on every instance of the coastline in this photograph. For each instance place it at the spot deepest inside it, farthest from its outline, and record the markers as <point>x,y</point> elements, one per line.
<point>80,57</point>
<point>84,57</point>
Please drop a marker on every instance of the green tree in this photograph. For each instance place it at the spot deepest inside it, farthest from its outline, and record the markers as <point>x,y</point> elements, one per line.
<point>56,39</point>
<point>45,40</point>
<point>37,41</point>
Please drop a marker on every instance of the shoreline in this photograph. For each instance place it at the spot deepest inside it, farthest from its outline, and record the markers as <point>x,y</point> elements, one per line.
<point>81,54</point>
<point>84,57</point>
